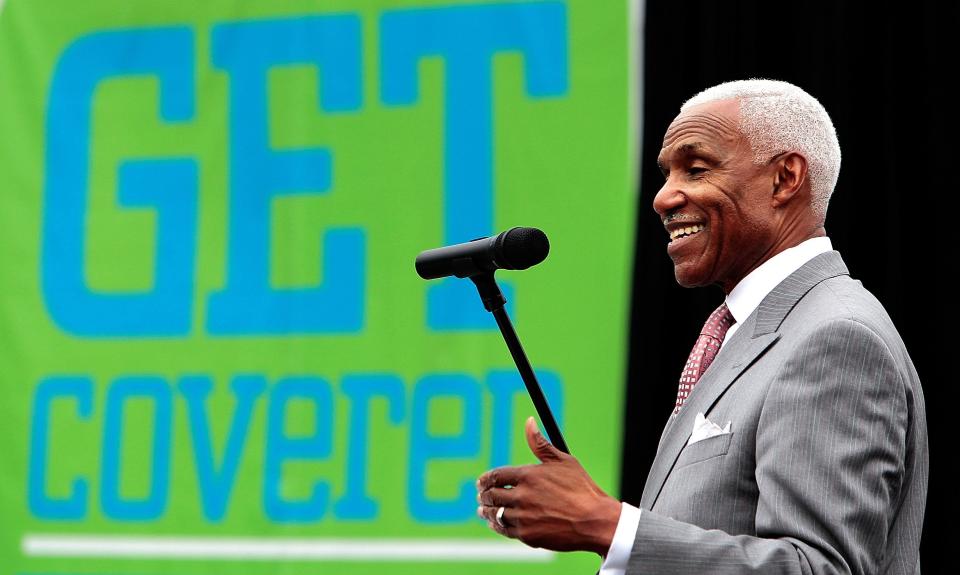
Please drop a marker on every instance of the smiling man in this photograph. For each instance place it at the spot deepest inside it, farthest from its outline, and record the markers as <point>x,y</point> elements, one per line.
<point>798,440</point>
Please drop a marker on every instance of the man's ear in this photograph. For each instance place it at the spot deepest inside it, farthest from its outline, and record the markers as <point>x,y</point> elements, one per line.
<point>789,177</point>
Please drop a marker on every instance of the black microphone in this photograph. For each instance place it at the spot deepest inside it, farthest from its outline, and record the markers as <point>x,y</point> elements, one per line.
<point>514,249</point>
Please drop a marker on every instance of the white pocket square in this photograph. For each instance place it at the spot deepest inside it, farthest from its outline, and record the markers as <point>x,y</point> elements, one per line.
<point>703,428</point>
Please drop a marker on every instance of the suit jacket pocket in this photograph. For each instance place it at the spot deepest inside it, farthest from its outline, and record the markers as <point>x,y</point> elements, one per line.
<point>704,449</point>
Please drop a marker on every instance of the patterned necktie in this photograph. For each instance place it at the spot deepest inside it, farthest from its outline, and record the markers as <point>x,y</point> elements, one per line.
<point>706,348</point>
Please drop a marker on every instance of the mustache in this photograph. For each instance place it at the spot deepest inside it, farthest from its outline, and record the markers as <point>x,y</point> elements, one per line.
<point>679,218</point>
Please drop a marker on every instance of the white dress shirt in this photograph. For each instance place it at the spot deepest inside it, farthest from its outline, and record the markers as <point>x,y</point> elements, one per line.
<point>742,300</point>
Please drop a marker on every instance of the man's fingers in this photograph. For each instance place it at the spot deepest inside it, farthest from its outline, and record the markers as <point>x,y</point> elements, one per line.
<point>500,477</point>
<point>489,513</point>
<point>498,496</point>
<point>543,449</point>
<point>507,529</point>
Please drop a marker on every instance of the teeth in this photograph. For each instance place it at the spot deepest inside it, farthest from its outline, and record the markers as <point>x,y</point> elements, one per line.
<point>681,232</point>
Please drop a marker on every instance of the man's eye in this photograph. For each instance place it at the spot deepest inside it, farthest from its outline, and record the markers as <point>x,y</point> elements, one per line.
<point>696,171</point>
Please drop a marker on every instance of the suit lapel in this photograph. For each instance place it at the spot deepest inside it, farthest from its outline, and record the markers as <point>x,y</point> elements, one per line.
<point>733,360</point>
<point>751,340</point>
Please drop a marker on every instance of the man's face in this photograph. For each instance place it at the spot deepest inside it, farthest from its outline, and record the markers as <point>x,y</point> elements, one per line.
<point>716,203</point>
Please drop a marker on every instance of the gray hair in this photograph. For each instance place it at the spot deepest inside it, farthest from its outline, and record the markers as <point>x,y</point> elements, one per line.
<point>778,117</point>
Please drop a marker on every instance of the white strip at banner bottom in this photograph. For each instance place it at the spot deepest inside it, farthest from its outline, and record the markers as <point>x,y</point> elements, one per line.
<point>277,549</point>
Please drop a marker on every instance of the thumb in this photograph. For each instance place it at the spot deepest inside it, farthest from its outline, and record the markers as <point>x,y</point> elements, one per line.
<point>539,445</point>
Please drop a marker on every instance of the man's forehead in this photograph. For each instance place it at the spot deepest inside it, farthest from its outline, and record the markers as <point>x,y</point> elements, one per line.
<point>687,147</point>
<point>702,127</point>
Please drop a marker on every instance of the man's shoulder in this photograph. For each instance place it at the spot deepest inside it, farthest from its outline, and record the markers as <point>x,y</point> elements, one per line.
<point>843,297</point>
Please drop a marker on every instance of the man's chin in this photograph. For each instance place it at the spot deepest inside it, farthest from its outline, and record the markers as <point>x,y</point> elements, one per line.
<point>689,284</point>
<point>689,278</point>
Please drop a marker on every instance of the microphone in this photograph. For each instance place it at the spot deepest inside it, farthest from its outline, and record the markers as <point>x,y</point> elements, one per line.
<point>514,249</point>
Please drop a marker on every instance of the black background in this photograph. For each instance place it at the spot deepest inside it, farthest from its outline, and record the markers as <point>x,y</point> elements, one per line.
<point>881,72</point>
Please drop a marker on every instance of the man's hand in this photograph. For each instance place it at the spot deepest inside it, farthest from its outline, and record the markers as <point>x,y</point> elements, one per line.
<point>554,505</point>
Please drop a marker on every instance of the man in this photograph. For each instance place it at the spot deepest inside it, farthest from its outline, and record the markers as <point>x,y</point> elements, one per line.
<point>800,445</point>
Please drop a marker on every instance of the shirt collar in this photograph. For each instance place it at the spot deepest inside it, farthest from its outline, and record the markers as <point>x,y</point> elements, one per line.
<point>747,295</point>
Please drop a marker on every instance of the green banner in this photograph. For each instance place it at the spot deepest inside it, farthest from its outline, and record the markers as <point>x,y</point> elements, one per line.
<point>215,352</point>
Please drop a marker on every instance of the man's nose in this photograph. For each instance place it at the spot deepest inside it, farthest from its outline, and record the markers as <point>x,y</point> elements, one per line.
<point>668,199</point>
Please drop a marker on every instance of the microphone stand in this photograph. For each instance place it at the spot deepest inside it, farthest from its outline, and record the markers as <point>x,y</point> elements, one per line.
<point>494,301</point>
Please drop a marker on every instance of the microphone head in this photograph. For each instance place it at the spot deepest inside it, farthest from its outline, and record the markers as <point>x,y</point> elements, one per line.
<point>520,248</point>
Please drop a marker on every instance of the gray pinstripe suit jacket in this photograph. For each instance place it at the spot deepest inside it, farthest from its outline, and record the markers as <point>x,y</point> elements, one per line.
<point>825,468</point>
